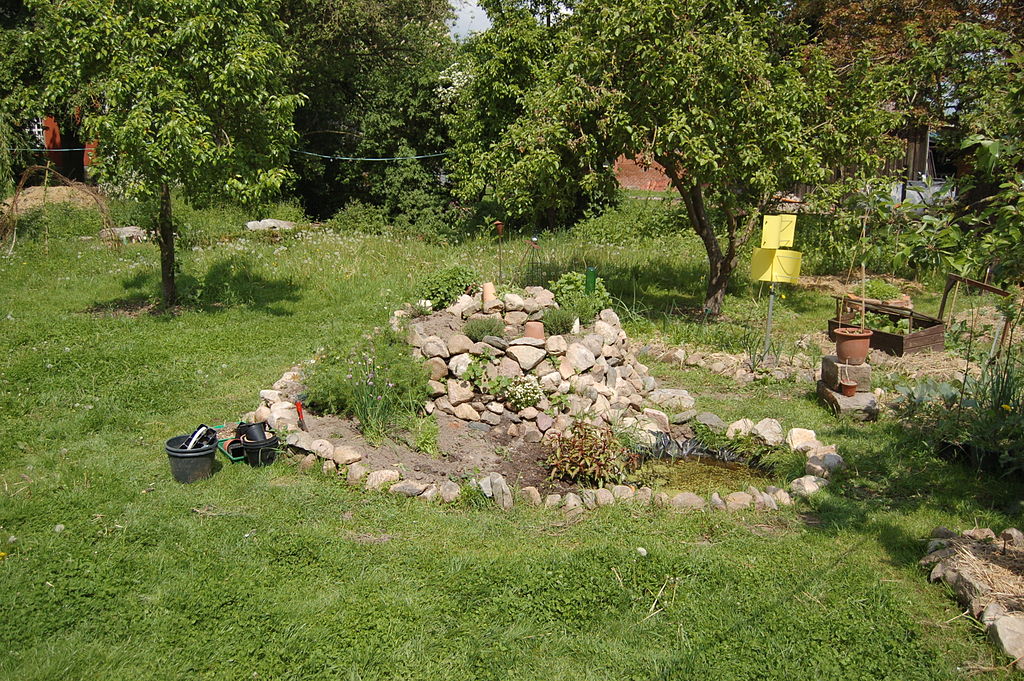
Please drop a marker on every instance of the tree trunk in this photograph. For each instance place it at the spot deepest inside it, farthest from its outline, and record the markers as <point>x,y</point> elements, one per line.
<point>718,281</point>
<point>165,237</point>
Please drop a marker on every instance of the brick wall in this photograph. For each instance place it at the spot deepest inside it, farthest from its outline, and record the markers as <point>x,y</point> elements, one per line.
<point>632,176</point>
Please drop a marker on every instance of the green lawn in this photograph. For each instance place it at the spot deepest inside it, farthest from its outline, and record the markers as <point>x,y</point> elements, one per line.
<point>278,575</point>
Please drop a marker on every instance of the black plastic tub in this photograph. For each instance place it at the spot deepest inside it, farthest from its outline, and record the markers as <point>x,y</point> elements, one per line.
<point>260,452</point>
<point>190,465</point>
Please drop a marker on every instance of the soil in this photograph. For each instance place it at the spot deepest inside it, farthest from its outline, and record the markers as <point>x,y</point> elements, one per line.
<point>467,452</point>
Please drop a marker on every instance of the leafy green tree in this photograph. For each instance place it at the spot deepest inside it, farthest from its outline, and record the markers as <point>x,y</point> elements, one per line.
<point>181,94</point>
<point>724,94</point>
<point>371,71</point>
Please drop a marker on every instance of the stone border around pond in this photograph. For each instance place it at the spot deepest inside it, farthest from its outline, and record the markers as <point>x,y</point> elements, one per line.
<point>600,370</point>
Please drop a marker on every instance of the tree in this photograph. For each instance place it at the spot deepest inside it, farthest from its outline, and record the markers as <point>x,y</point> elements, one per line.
<point>370,69</point>
<point>181,94</point>
<point>732,101</point>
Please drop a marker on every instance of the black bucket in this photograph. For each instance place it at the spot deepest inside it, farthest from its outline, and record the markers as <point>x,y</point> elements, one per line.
<point>190,465</point>
<point>260,452</point>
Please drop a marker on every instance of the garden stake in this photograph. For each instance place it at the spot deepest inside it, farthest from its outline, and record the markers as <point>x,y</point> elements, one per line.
<point>771,309</point>
<point>500,226</point>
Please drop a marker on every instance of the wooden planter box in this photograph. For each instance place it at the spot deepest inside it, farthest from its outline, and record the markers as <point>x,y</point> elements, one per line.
<point>927,333</point>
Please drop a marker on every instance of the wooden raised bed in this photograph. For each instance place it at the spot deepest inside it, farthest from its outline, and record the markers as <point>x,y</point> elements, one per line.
<point>926,333</point>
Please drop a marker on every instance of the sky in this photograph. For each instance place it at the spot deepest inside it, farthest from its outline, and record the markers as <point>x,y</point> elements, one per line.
<point>469,18</point>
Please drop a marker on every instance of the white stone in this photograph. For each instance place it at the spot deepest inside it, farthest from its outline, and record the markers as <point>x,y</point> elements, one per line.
<point>802,439</point>
<point>607,332</point>
<point>768,431</point>
<point>579,357</point>
<point>686,501</point>
<point>807,485</point>
<point>658,419</point>
<point>466,412</point>
<point>603,497</point>
<point>672,399</point>
<point>824,466</point>
<point>1008,634</point>
<point>450,491</point>
<point>608,316</point>
<point>513,302</point>
<point>433,346</point>
<point>343,455</point>
<point>622,492</point>
<point>408,488</point>
<point>552,500</point>
<point>739,428</point>
<point>322,448</point>
<point>500,491</point>
<point>737,501</point>
<point>531,494</point>
<point>527,356</point>
<point>556,345</point>
<point>459,344</point>
<point>378,479</point>
<point>459,392</point>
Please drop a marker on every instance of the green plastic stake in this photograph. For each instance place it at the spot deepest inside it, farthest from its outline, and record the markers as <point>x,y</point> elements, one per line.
<point>591,284</point>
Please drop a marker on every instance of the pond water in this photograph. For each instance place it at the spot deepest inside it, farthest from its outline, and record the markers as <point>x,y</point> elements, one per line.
<point>701,475</point>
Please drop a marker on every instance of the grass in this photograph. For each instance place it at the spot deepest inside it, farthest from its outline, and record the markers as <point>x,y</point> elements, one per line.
<point>268,573</point>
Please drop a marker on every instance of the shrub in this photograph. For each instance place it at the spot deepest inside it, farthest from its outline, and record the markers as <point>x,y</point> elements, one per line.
<point>360,218</point>
<point>570,292</point>
<point>443,287</point>
<point>476,329</point>
<point>375,380</point>
<point>591,455</point>
<point>559,321</point>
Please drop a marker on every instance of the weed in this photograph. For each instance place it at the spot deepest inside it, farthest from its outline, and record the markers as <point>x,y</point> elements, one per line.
<point>476,329</point>
<point>443,287</point>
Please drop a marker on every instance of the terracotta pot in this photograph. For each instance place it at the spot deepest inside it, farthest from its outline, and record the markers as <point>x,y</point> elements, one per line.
<point>490,293</point>
<point>534,330</point>
<point>853,345</point>
<point>848,388</point>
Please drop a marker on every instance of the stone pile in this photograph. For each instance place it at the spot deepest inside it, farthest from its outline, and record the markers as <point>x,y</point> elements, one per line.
<point>974,565</point>
<point>592,375</point>
<point>798,367</point>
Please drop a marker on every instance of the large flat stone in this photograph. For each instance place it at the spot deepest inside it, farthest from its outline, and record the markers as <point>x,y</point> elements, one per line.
<point>862,406</point>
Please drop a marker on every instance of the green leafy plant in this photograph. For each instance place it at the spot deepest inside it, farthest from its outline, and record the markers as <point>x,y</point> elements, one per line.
<point>476,373</point>
<point>570,293</point>
<point>476,329</point>
<point>559,321</point>
<point>883,322</point>
<point>423,435</point>
<point>443,287</point>
<point>881,290</point>
<point>375,380</point>
<point>591,455</point>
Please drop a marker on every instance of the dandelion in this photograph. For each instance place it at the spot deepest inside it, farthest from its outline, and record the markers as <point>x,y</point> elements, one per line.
<point>1007,407</point>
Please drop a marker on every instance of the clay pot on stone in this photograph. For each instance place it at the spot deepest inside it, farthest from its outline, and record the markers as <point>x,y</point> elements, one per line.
<point>848,388</point>
<point>489,292</point>
<point>852,345</point>
<point>534,330</point>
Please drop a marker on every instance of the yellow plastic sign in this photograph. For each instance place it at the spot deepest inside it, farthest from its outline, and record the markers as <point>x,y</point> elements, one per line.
<point>776,266</point>
<point>778,231</point>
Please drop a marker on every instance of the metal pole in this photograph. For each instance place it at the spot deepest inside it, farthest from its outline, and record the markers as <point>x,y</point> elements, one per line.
<point>771,309</point>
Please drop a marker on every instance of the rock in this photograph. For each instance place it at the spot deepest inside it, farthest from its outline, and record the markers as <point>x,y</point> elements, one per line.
<point>531,433</point>
<point>807,485</point>
<point>622,492</point>
<point>433,346</point>
<point>1008,634</point>
<point>980,534</point>
<point>683,417</point>
<point>496,342</point>
<point>936,544</point>
<point>484,484</point>
<point>466,412</point>
<point>490,418</point>
<point>737,501</point>
<point>450,491</point>
<point>544,422</point>
<point>459,392</point>
<point>660,499</point>
<point>658,419</point>
<point>782,497</point>
<point>673,399</point>
<point>556,345</point>
<point>126,235</point>
<point>458,364</point>
<point>1012,536</point>
<point>527,356</point>
<point>430,493</point>
<point>322,448</point>
<point>438,368</point>
<point>608,316</point>
<point>269,397</point>
<point>501,492</point>
<point>552,500</point>
<point>261,415</point>
<point>509,368</point>
<point>755,495</point>
<point>283,415</point>
<point>356,472</point>
<point>941,532</point>
<point>572,501</point>
<point>739,428</point>
<point>513,302</point>
<point>436,389</point>
<point>516,319</point>
<point>686,501</point>
<point>532,496</point>
<point>408,488</point>
<point>270,224</point>
<point>768,431</point>
<point>307,462</point>
<point>710,420</point>
<point>769,502</point>
<point>717,503</point>
<point>527,340</point>
<point>606,331</point>
<point>377,479</point>
<point>579,358</point>
<point>802,440</point>
<point>832,371</point>
<point>300,440</point>
<point>603,497</point>
<point>824,466</point>
<point>344,455</point>
<point>461,305</point>
<point>862,406</point>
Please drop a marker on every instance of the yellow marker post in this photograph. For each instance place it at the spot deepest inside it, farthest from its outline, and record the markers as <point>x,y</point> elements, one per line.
<point>772,263</point>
